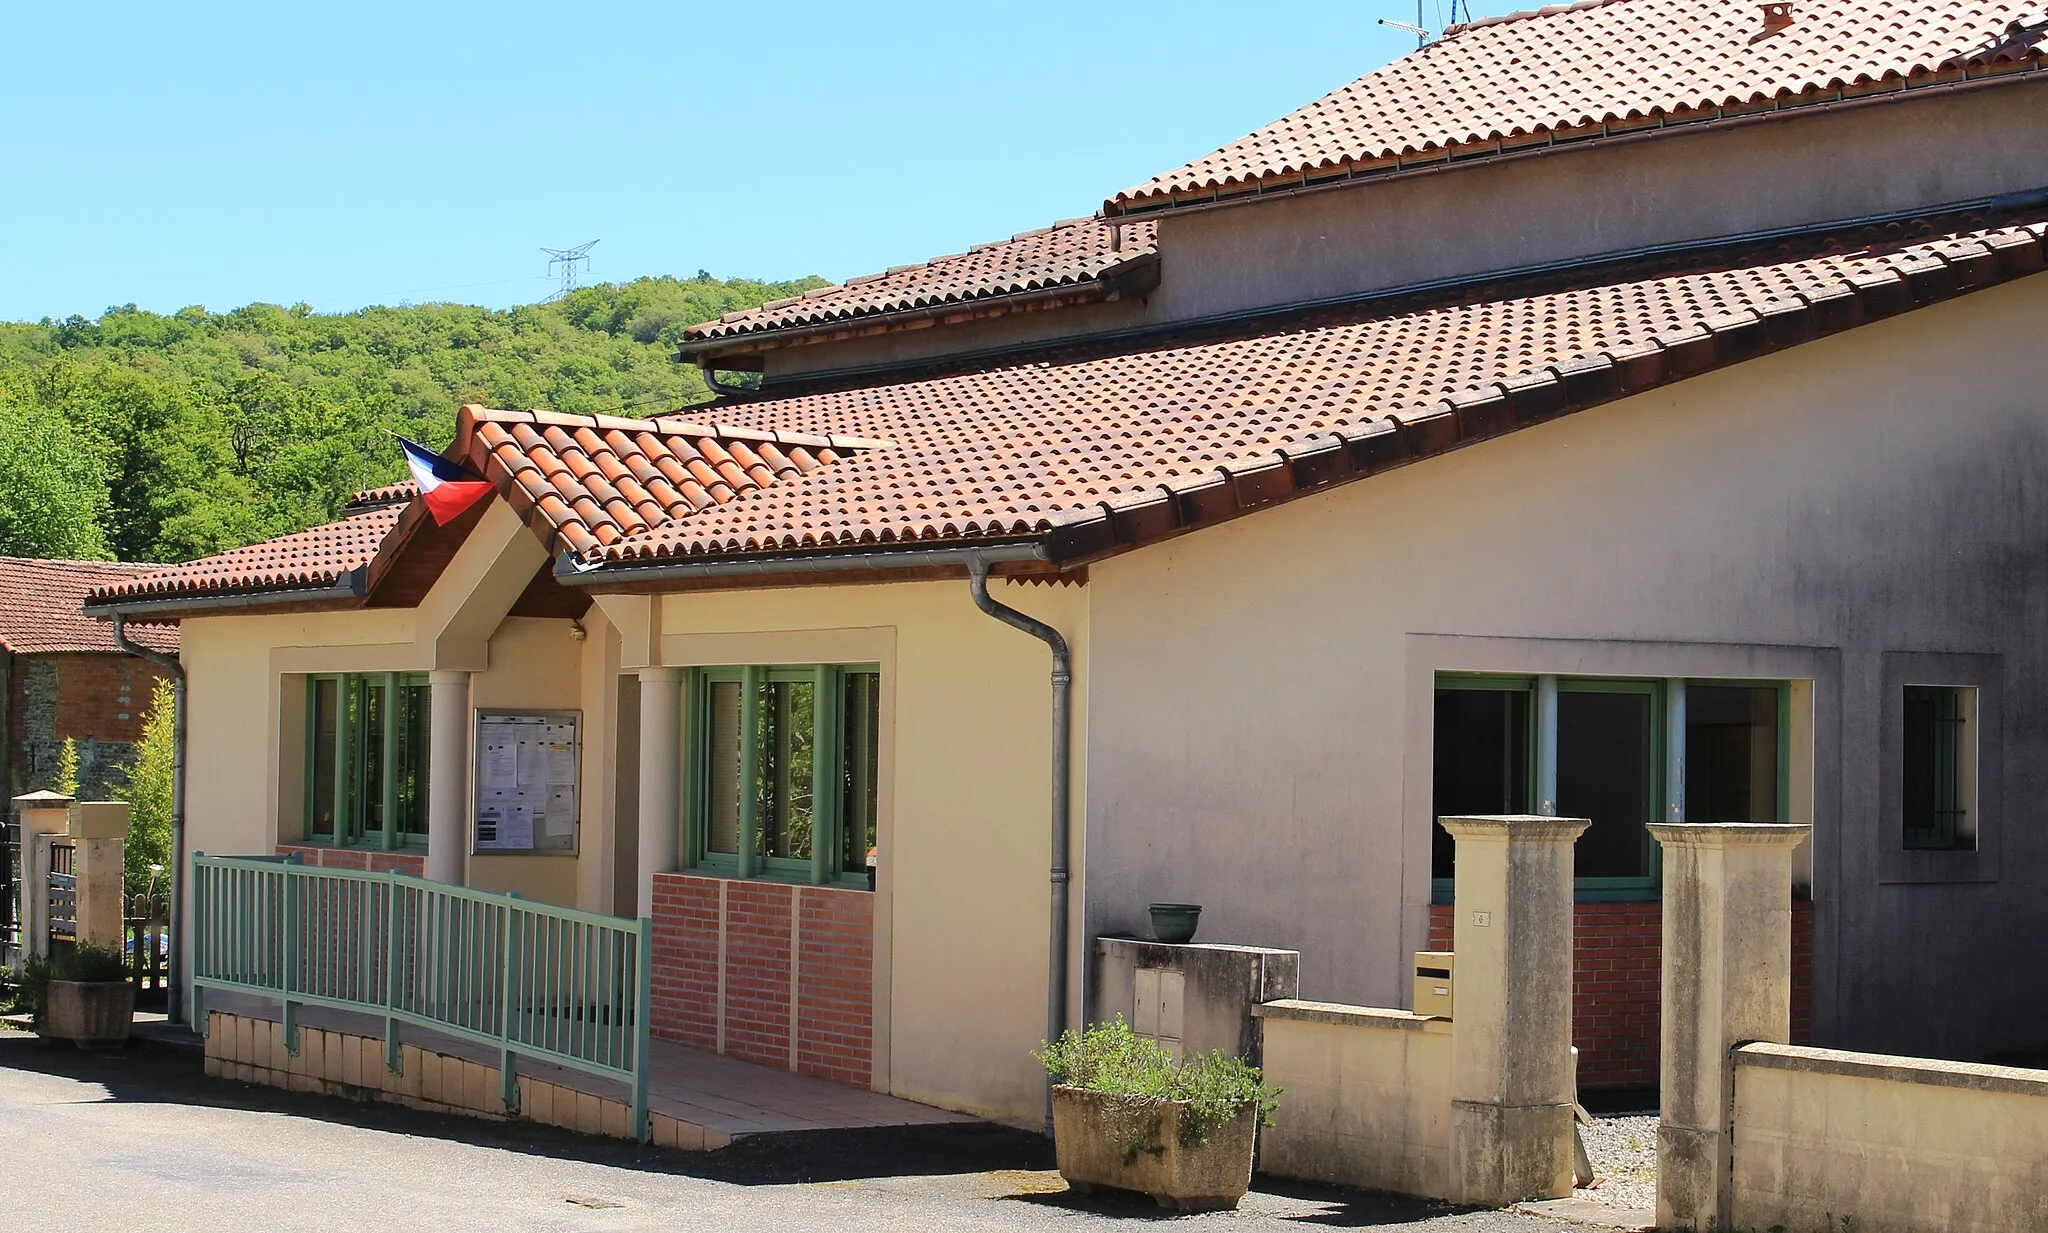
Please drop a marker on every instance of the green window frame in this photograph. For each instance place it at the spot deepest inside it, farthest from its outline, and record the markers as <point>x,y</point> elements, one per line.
<point>781,765</point>
<point>1662,790</point>
<point>1938,778</point>
<point>366,759</point>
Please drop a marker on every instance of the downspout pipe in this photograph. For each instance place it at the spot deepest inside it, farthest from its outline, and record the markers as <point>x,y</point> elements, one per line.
<point>170,664</point>
<point>1062,750</point>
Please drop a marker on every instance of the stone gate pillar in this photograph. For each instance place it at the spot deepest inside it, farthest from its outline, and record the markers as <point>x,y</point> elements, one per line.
<point>99,837</point>
<point>1511,1040</point>
<point>1727,981</point>
<point>41,813</point>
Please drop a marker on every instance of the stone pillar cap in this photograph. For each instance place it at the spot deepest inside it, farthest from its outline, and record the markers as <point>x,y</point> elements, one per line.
<point>1730,834</point>
<point>44,799</point>
<point>1539,828</point>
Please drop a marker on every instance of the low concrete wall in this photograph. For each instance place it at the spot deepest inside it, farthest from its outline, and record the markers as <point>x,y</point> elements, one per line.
<point>1367,1096</point>
<point>1212,1003</point>
<point>345,1064</point>
<point>1890,1143</point>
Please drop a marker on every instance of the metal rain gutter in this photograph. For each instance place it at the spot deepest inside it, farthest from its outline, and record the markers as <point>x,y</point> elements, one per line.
<point>171,664</point>
<point>351,585</point>
<point>571,572</point>
<point>1062,748</point>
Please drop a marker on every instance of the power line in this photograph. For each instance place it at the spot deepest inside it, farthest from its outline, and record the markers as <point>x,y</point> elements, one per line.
<point>567,258</point>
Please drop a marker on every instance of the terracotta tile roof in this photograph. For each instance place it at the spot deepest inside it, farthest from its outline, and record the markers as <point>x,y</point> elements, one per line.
<point>580,481</point>
<point>1078,251</point>
<point>42,607</point>
<point>317,559</point>
<point>389,494</point>
<point>588,481</point>
<point>1569,69</point>
<point>1099,449</point>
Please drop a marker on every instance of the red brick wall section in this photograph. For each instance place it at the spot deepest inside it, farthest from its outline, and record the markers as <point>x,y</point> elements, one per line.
<point>757,987</point>
<point>1616,974</point>
<point>833,990</point>
<point>686,961</point>
<point>105,697</point>
<point>414,863</point>
<point>835,985</point>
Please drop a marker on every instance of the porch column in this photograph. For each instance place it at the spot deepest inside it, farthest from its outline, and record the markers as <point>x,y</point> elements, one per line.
<point>1727,980</point>
<point>447,775</point>
<point>1511,1038</point>
<point>661,755</point>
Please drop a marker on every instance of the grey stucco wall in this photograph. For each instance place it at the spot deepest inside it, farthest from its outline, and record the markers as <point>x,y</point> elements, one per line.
<point>1259,733</point>
<point>1604,198</point>
<point>1600,198</point>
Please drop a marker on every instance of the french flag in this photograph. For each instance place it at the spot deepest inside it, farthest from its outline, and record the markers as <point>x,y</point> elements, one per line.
<point>444,486</point>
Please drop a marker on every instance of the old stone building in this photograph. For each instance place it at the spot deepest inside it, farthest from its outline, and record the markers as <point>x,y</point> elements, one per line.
<point>61,676</point>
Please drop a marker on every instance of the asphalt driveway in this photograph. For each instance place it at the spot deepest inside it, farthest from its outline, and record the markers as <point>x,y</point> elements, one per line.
<point>142,1139</point>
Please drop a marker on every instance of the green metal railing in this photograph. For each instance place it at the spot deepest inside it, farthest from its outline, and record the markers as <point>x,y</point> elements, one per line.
<point>551,983</point>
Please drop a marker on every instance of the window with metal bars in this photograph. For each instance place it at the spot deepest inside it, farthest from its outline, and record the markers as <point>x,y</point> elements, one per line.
<point>366,759</point>
<point>782,769</point>
<point>1939,768</point>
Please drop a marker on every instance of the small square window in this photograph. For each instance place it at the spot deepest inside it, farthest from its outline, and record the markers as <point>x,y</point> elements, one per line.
<point>1938,769</point>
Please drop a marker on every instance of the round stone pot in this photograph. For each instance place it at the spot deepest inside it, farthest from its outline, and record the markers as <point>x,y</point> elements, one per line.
<point>90,1014</point>
<point>1175,922</point>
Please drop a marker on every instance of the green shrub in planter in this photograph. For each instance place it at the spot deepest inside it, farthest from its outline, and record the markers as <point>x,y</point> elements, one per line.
<point>1128,1115</point>
<point>85,964</point>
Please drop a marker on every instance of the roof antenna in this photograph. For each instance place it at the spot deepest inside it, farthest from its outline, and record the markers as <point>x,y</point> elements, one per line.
<point>1420,31</point>
<point>567,259</point>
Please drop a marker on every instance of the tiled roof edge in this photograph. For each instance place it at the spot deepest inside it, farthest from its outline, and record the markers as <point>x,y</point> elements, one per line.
<point>1139,202</point>
<point>1533,397</point>
<point>736,327</point>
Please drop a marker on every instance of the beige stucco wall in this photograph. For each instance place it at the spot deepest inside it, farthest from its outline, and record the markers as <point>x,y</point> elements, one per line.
<point>1261,692</point>
<point>1366,1097</point>
<point>246,691</point>
<point>960,946</point>
<point>1604,198</point>
<point>1887,1144</point>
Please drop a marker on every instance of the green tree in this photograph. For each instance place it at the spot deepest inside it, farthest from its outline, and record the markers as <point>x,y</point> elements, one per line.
<point>53,492</point>
<point>146,786</point>
<point>67,768</point>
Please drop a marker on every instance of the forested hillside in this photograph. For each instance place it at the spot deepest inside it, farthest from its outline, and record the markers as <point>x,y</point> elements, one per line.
<point>145,437</point>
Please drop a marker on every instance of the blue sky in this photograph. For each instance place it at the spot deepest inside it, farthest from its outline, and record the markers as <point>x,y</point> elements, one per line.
<point>350,154</point>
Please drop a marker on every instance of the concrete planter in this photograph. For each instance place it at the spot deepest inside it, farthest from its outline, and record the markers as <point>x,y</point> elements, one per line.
<point>89,1014</point>
<point>1133,1143</point>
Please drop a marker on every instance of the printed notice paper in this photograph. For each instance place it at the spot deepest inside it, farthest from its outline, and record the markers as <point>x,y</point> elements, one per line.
<point>527,789</point>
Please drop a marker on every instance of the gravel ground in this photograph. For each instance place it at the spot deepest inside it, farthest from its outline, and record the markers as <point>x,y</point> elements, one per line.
<point>1624,1152</point>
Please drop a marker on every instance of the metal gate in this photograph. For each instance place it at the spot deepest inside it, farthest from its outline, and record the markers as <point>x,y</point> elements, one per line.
<point>63,894</point>
<point>10,896</point>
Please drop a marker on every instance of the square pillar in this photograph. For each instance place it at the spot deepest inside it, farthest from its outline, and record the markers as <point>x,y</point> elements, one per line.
<point>661,755</point>
<point>1511,1040</point>
<point>99,835</point>
<point>41,813</point>
<point>1727,981</point>
<point>448,776</point>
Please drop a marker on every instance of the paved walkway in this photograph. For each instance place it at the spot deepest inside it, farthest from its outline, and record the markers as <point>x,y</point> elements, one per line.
<point>147,1141</point>
<point>727,1097</point>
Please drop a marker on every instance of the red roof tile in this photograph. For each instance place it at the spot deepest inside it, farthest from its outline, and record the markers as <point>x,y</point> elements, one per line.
<point>1070,253</point>
<point>585,481</point>
<point>1570,69</point>
<point>42,607</point>
<point>389,494</point>
<point>580,481</point>
<point>1094,448</point>
<point>316,560</point>
<point>1085,444</point>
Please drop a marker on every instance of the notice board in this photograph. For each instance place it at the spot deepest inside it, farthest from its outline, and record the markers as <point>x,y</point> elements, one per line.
<point>528,794</point>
